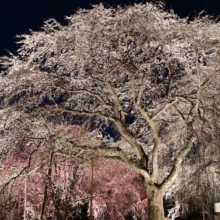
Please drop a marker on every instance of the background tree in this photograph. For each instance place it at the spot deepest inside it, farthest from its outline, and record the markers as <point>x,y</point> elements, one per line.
<point>46,180</point>
<point>141,79</point>
<point>117,191</point>
<point>197,187</point>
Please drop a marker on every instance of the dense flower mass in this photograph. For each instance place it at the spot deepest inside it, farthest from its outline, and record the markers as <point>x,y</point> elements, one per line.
<point>141,83</point>
<point>65,185</point>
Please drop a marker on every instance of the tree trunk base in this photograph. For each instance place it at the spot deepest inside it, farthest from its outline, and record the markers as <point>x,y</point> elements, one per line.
<point>156,211</point>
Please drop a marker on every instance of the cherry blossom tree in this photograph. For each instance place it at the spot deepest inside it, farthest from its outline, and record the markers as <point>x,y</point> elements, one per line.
<point>141,79</point>
<point>117,191</point>
<point>38,175</point>
<point>40,179</point>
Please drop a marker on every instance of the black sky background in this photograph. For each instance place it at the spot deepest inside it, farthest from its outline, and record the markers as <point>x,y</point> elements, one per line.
<point>18,16</point>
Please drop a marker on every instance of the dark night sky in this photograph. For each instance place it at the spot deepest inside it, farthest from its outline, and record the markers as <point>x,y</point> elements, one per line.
<point>18,16</point>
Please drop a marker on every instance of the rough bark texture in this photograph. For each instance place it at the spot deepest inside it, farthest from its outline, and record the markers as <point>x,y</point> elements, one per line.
<point>156,211</point>
<point>155,201</point>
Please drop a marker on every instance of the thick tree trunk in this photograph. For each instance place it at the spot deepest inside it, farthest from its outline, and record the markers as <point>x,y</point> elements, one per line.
<point>155,206</point>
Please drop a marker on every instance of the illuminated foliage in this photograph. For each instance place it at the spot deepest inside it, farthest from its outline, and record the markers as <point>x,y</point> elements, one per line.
<point>143,83</point>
